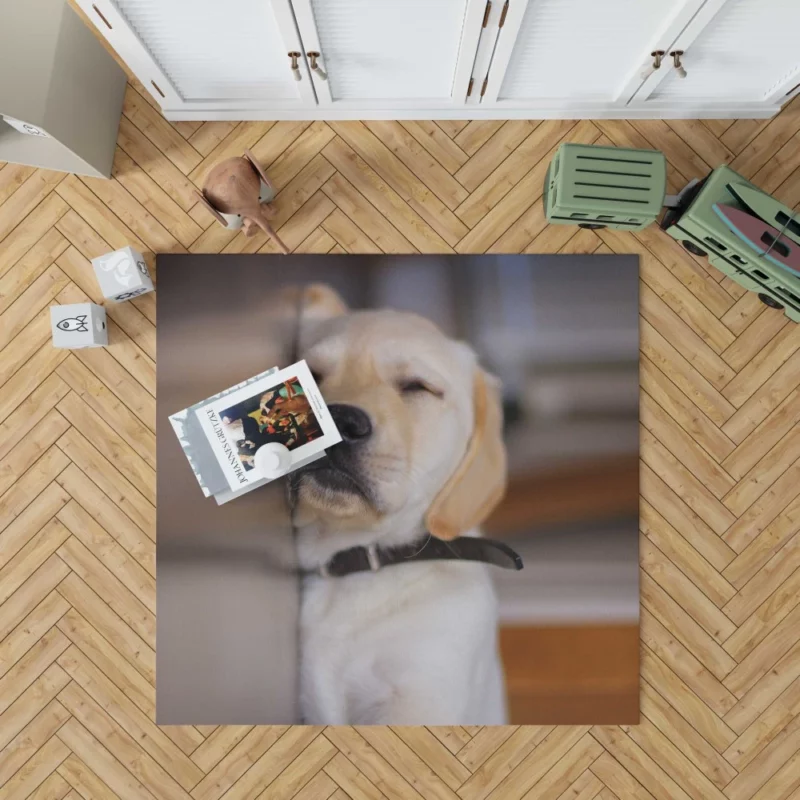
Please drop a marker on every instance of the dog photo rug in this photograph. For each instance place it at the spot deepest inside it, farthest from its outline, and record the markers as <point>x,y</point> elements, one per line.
<point>456,541</point>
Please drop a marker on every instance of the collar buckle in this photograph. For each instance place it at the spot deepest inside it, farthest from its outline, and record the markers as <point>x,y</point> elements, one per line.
<point>372,558</point>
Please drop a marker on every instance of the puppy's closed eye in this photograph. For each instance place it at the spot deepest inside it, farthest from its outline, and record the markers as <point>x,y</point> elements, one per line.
<point>411,386</point>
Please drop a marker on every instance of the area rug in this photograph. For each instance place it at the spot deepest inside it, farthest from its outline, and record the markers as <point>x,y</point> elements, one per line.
<point>491,398</point>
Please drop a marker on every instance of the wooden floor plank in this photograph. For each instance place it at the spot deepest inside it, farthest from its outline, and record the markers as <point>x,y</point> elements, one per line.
<point>106,776</point>
<point>108,660</point>
<point>494,187</point>
<point>111,626</point>
<point>475,134</point>
<point>120,599</point>
<point>31,629</point>
<point>362,223</point>
<point>31,266</point>
<point>129,718</point>
<point>163,172</point>
<point>26,198</point>
<point>452,127</point>
<point>426,168</point>
<point>30,302</point>
<point>493,153</point>
<point>682,555</point>
<point>159,131</point>
<point>31,230</point>
<point>278,757</point>
<point>208,135</point>
<point>437,143</point>
<point>224,774</point>
<point>31,666</point>
<point>677,732</point>
<point>425,220</point>
<point>31,593</point>
<point>147,192</point>
<point>12,176</point>
<point>688,704</point>
<point>126,459</point>
<point>32,737</point>
<point>36,770</point>
<point>31,556</point>
<point>689,416</point>
<point>120,744</point>
<point>288,154</point>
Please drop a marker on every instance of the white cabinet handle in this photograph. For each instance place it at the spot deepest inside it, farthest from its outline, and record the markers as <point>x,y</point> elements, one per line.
<point>657,55</point>
<point>676,60</point>
<point>313,56</point>
<point>294,65</point>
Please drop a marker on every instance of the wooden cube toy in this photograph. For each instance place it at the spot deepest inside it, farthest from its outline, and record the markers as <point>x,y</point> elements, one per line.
<point>78,325</point>
<point>122,274</point>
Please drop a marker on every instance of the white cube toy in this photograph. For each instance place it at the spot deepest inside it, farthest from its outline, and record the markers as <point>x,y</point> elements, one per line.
<point>78,325</point>
<point>122,274</point>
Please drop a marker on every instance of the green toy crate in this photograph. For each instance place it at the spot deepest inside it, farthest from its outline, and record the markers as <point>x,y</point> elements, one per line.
<point>598,187</point>
<point>696,225</point>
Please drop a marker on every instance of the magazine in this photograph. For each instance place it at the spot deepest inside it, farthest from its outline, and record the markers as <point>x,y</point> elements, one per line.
<point>221,434</point>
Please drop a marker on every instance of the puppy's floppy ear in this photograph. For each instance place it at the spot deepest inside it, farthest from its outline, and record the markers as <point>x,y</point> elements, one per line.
<point>314,302</point>
<point>479,482</point>
<point>321,302</point>
<point>307,306</point>
<point>292,312</point>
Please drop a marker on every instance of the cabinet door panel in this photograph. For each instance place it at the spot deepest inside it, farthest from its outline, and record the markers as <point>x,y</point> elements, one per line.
<point>566,52</point>
<point>208,53</point>
<point>403,52</point>
<point>749,52</point>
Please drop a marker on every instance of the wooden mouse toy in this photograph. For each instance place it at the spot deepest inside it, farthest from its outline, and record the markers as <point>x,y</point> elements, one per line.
<point>237,192</point>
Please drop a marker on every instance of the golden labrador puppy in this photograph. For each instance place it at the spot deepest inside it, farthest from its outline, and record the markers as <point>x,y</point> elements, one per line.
<point>421,454</point>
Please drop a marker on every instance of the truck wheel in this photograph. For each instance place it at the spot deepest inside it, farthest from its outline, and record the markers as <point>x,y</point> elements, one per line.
<point>592,226</point>
<point>770,301</point>
<point>693,248</point>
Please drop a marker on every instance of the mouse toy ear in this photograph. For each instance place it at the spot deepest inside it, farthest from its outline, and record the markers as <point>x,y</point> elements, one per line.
<point>259,169</point>
<point>479,482</point>
<point>213,211</point>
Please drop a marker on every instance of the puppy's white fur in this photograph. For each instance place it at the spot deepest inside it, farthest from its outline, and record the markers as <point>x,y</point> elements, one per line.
<point>414,643</point>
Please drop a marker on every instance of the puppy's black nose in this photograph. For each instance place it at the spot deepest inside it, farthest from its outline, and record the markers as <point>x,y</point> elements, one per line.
<point>353,423</point>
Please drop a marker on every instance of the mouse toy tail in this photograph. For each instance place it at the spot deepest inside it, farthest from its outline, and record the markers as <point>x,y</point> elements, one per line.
<point>265,226</point>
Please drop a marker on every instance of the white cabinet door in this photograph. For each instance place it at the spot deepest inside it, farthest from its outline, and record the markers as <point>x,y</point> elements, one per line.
<point>208,54</point>
<point>390,54</point>
<point>734,51</point>
<point>576,54</point>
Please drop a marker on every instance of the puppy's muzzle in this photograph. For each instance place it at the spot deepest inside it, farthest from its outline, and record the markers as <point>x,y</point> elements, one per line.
<point>342,468</point>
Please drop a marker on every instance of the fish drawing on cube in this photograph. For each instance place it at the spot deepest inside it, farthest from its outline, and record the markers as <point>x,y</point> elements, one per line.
<point>122,275</point>
<point>78,325</point>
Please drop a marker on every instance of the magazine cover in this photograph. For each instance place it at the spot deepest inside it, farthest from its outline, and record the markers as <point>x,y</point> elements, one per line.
<point>284,407</point>
<point>197,448</point>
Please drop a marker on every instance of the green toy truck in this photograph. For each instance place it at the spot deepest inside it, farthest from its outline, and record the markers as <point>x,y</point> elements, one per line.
<point>700,230</point>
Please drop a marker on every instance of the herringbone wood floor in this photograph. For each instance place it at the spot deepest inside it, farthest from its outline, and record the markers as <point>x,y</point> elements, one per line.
<point>720,463</point>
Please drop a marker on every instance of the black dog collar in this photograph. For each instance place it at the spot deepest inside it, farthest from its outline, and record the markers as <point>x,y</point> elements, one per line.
<point>464,548</point>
